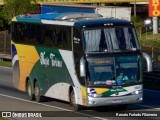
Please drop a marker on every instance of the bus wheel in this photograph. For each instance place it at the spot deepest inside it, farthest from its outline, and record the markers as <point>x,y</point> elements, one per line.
<point>30,91</point>
<point>73,104</point>
<point>38,97</point>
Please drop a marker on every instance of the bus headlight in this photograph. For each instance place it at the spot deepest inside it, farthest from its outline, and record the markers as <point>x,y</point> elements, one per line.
<point>137,92</point>
<point>94,95</point>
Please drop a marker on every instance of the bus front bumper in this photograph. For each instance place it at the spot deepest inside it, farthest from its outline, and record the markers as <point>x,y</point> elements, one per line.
<point>118,100</point>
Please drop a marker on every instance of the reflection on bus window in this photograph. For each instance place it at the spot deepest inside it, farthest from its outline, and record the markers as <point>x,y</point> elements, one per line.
<point>43,35</point>
<point>101,71</point>
<point>110,39</point>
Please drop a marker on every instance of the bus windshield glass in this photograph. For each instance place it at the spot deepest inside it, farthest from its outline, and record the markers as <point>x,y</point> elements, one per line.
<point>110,39</point>
<point>120,70</point>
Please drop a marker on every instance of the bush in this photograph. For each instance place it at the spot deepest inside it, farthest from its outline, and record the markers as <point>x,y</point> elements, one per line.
<point>138,24</point>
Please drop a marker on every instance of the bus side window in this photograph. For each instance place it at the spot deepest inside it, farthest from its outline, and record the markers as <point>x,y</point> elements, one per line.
<point>20,33</point>
<point>78,52</point>
<point>54,38</point>
<point>48,40</point>
<point>67,38</point>
<point>24,33</point>
<point>17,33</point>
<point>58,37</point>
<point>14,31</point>
<point>31,33</point>
<point>77,47</point>
<point>39,33</point>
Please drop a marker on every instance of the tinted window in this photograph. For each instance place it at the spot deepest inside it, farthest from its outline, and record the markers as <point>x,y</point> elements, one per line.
<point>77,43</point>
<point>20,33</point>
<point>23,33</point>
<point>49,36</point>
<point>32,33</point>
<point>39,34</point>
<point>67,38</point>
<point>58,37</point>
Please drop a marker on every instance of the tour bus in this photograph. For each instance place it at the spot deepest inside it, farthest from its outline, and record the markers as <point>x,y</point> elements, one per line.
<point>80,58</point>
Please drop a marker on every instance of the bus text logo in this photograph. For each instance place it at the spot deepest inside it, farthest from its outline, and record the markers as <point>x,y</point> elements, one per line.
<point>51,60</point>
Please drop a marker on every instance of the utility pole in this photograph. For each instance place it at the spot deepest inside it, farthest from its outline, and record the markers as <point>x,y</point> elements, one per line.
<point>155,25</point>
<point>135,8</point>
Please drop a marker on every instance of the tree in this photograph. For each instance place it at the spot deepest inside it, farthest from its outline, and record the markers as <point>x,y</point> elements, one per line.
<point>17,7</point>
<point>138,24</point>
<point>2,21</point>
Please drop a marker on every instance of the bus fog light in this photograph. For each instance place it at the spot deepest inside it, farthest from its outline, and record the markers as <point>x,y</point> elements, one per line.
<point>140,99</point>
<point>137,92</point>
<point>92,102</point>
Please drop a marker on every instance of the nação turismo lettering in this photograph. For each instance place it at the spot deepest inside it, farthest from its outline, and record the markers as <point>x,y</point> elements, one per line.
<point>46,60</point>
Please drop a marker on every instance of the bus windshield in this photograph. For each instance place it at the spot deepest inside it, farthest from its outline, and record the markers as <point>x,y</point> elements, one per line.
<point>120,70</point>
<point>110,39</point>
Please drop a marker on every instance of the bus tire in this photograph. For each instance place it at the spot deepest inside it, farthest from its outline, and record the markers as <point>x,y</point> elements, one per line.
<point>73,104</point>
<point>30,91</point>
<point>38,97</point>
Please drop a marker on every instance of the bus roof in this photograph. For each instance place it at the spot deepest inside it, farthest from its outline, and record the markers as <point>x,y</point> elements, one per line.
<point>79,20</point>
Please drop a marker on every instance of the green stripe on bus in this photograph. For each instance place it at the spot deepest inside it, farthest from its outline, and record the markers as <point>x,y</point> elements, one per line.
<point>50,69</point>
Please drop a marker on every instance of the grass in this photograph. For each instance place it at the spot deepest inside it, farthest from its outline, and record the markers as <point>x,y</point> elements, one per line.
<point>149,39</point>
<point>3,118</point>
<point>6,63</point>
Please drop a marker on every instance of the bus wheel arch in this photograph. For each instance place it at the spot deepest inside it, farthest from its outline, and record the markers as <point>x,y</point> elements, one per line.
<point>37,92</point>
<point>72,99</point>
<point>29,89</point>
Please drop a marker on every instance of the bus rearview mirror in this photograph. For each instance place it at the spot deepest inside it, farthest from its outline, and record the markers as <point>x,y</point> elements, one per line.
<point>82,67</point>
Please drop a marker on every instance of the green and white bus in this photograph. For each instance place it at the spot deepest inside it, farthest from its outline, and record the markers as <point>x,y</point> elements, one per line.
<point>77,57</point>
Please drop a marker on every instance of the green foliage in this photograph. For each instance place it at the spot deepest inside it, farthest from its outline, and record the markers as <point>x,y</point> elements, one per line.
<point>6,64</point>
<point>2,21</point>
<point>138,23</point>
<point>150,39</point>
<point>17,7</point>
<point>3,118</point>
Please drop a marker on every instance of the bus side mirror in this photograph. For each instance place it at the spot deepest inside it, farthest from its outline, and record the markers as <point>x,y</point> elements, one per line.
<point>82,67</point>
